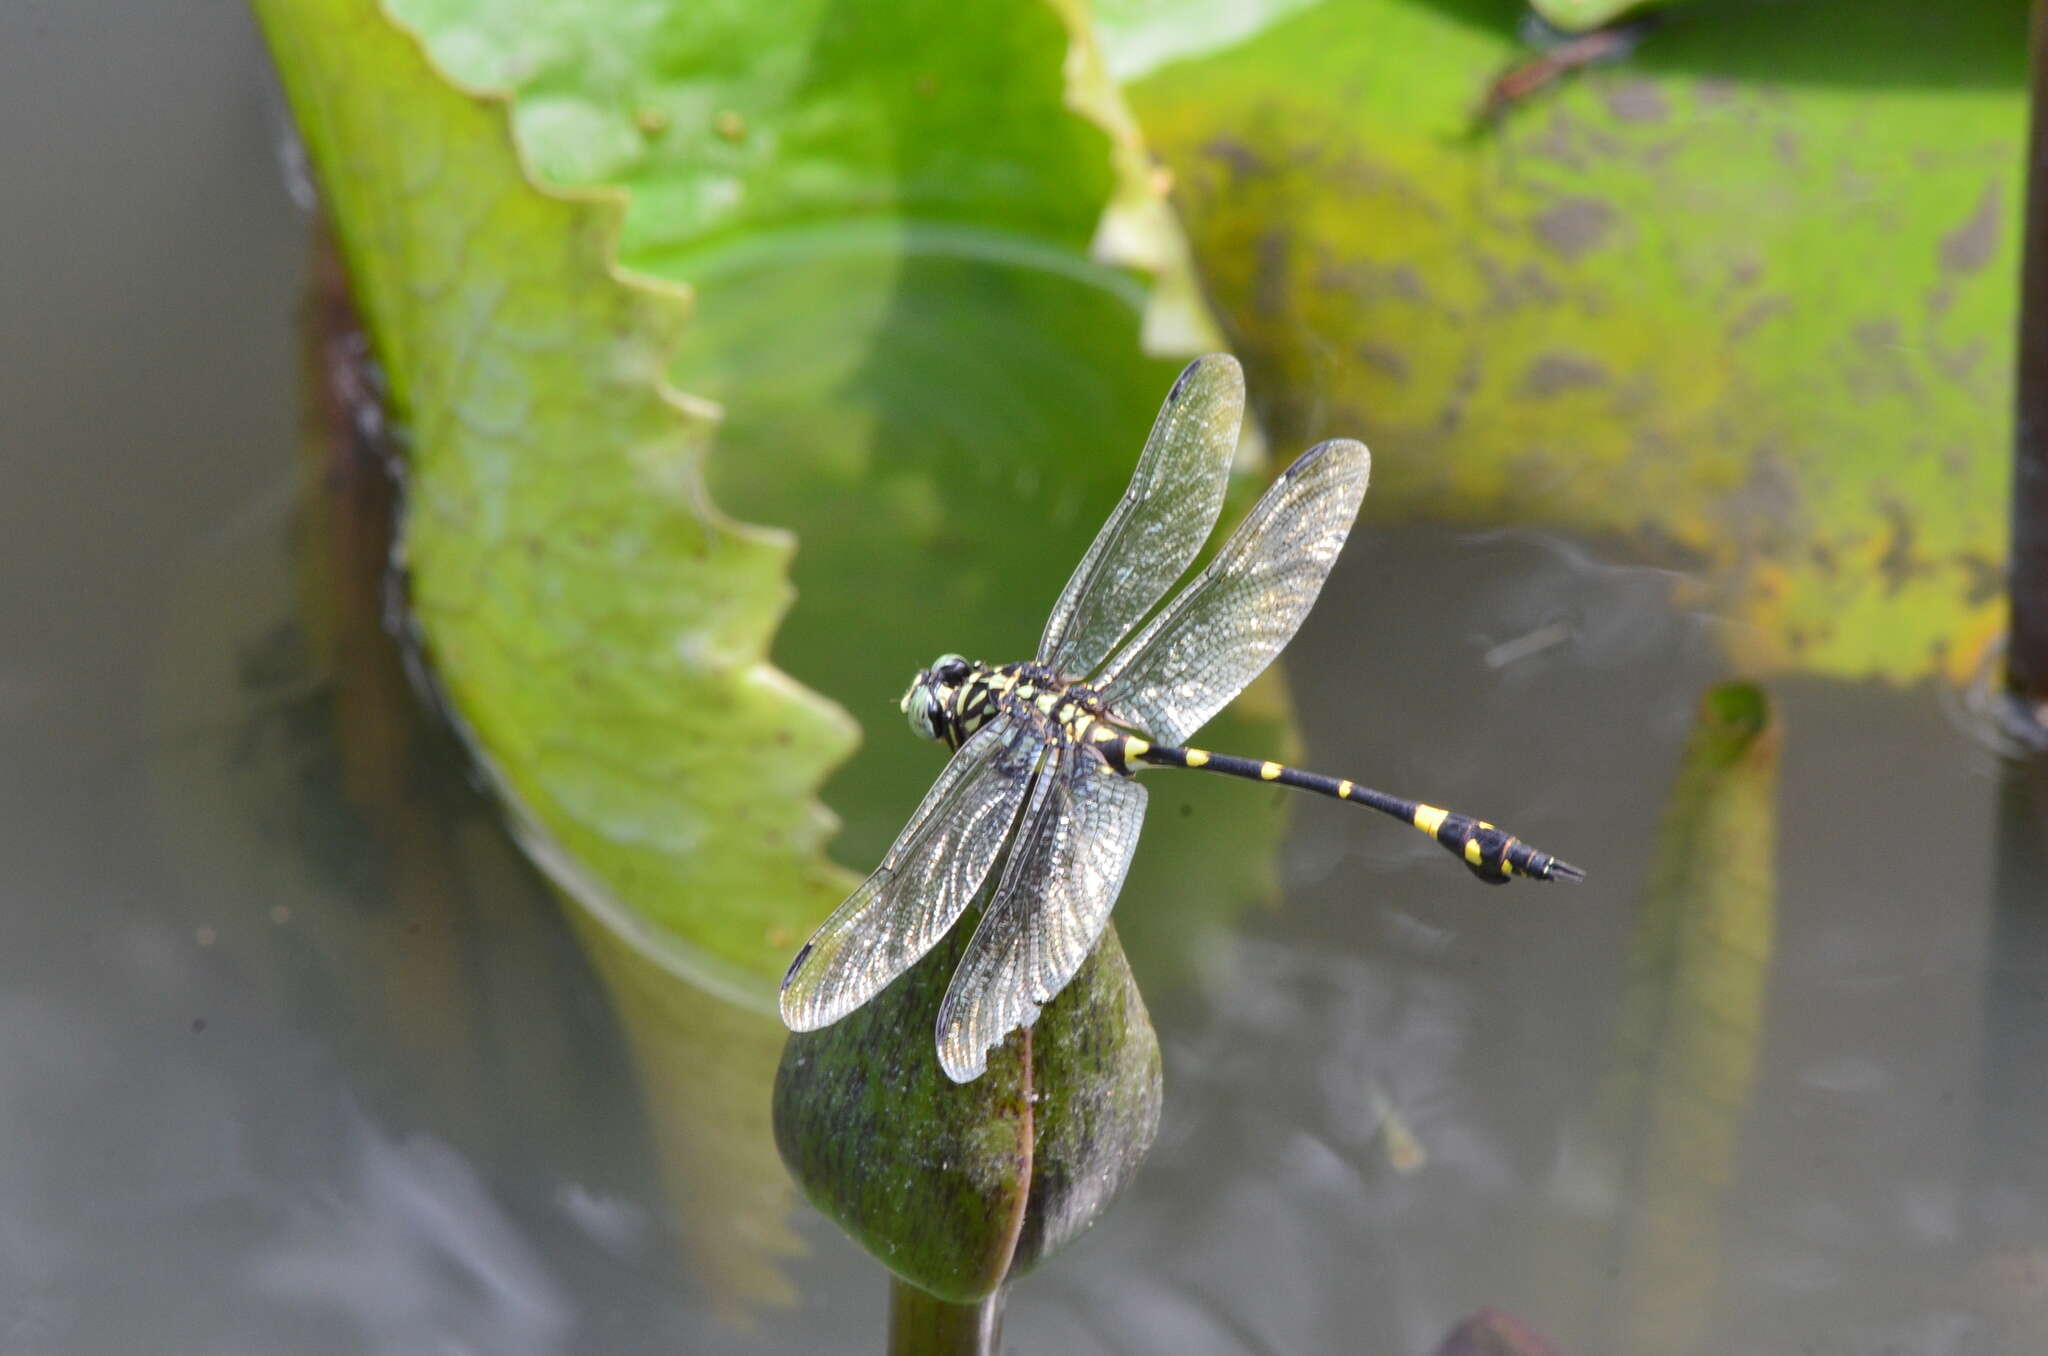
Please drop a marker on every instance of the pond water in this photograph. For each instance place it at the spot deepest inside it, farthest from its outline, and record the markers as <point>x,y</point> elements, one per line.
<point>296,1054</point>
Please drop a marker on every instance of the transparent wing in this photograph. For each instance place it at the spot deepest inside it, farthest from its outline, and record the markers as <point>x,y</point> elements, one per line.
<point>922,886</point>
<point>1166,514</point>
<point>1227,625</point>
<point>1062,880</point>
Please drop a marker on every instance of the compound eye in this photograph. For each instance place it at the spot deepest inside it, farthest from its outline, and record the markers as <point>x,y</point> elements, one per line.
<point>923,712</point>
<point>951,670</point>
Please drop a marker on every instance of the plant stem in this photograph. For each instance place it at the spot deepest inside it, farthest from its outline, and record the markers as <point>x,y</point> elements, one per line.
<point>924,1325</point>
<point>2027,652</point>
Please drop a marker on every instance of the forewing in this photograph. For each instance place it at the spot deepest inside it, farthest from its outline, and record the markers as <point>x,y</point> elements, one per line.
<point>1056,893</point>
<point>924,883</point>
<point>1226,626</point>
<point>1152,535</point>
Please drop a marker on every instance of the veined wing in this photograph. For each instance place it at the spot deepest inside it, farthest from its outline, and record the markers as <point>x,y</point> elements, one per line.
<point>929,877</point>
<point>1152,535</point>
<point>1056,893</point>
<point>1226,626</point>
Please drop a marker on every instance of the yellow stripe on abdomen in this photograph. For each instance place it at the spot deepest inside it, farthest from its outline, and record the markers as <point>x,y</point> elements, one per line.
<point>1429,819</point>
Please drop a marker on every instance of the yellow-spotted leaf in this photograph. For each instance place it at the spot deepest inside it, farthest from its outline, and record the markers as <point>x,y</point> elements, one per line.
<point>1742,296</point>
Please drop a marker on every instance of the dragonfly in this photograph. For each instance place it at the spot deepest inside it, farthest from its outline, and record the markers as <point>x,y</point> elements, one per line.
<point>1045,753</point>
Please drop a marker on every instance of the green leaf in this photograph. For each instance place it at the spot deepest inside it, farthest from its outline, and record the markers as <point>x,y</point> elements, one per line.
<point>1746,298</point>
<point>1577,16</point>
<point>598,627</point>
<point>956,1187</point>
<point>730,123</point>
<point>886,220</point>
<point>947,431</point>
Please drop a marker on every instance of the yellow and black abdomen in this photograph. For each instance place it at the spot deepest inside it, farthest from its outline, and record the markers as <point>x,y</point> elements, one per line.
<point>1493,856</point>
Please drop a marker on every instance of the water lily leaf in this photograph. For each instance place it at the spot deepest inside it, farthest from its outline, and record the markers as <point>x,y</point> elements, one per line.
<point>1745,298</point>
<point>730,126</point>
<point>946,432</point>
<point>749,133</point>
<point>598,627</point>
<point>892,225</point>
<point>956,1187</point>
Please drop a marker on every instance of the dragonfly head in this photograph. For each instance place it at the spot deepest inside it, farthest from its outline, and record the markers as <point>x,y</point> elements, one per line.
<point>930,698</point>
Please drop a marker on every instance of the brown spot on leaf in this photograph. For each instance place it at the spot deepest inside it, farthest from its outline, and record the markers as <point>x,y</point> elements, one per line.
<point>1536,285</point>
<point>1970,246</point>
<point>1960,362</point>
<point>1638,101</point>
<point>1371,281</point>
<point>1714,92</point>
<point>1755,314</point>
<point>1575,226</point>
<point>1881,333</point>
<point>1382,359</point>
<point>1244,161</point>
<point>1986,579</point>
<point>1452,413</point>
<point>1269,278</point>
<point>1896,565</point>
<point>1763,513</point>
<point>1558,141</point>
<point>1554,373</point>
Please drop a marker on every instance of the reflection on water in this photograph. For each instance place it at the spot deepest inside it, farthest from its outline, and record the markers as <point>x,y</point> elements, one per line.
<point>296,1055</point>
<point>413,1249</point>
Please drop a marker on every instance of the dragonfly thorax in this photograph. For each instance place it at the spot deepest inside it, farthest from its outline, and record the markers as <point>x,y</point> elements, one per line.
<point>953,698</point>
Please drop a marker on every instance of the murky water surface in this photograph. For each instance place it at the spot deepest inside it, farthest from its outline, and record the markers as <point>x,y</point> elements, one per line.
<point>296,1055</point>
